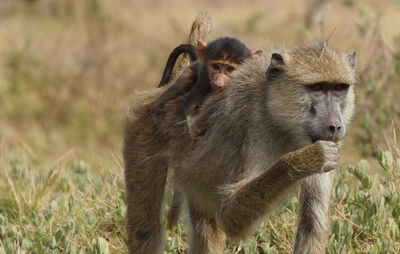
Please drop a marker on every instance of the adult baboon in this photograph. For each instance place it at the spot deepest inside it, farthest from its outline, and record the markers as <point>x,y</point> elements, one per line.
<point>276,125</point>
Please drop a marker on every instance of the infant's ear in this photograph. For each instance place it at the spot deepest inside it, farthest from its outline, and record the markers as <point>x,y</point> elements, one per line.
<point>255,54</point>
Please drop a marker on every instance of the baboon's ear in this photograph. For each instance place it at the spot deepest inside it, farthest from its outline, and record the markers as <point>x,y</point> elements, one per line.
<point>351,58</point>
<point>275,68</point>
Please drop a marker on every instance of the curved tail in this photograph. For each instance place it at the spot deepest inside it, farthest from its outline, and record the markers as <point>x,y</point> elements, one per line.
<point>184,48</point>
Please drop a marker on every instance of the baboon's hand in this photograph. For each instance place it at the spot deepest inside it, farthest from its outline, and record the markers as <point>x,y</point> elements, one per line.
<point>322,156</point>
<point>330,152</point>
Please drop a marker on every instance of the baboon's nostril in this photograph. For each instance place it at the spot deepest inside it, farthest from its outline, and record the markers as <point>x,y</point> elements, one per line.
<point>333,128</point>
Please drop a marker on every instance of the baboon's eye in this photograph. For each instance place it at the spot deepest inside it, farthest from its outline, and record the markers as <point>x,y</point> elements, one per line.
<point>341,87</point>
<point>316,87</point>
<point>230,69</point>
<point>215,67</point>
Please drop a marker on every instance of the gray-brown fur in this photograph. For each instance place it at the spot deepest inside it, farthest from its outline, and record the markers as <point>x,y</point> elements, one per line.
<point>182,85</point>
<point>257,147</point>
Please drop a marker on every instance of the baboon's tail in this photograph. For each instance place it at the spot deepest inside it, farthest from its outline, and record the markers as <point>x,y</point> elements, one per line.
<point>184,48</point>
<point>145,176</point>
<point>198,32</point>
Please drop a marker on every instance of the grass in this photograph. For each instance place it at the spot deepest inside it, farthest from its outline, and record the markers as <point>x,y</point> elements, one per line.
<point>62,209</point>
<point>67,69</point>
<point>72,208</point>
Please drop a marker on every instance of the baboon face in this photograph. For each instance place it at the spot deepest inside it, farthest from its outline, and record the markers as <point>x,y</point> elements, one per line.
<point>325,112</point>
<point>222,58</point>
<point>312,91</point>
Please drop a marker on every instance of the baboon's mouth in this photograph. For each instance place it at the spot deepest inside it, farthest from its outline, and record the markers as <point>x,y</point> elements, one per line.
<point>315,139</point>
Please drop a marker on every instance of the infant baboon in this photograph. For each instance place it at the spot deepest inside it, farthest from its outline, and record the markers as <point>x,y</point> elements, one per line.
<point>275,126</point>
<point>215,64</point>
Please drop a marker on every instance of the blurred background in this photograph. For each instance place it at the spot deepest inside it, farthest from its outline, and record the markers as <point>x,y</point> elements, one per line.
<point>67,68</point>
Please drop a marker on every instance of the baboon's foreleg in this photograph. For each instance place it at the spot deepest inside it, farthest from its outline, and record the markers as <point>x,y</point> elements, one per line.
<point>313,230</point>
<point>206,236</point>
<point>247,203</point>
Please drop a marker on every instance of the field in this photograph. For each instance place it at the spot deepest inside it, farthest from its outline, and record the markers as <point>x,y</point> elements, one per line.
<point>68,67</point>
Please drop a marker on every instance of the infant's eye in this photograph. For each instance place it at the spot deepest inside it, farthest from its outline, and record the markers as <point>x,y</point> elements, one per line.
<point>230,69</point>
<point>215,67</point>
